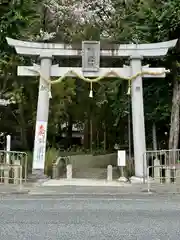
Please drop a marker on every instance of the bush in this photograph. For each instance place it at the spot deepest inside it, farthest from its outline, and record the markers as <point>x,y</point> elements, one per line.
<point>29,161</point>
<point>51,156</point>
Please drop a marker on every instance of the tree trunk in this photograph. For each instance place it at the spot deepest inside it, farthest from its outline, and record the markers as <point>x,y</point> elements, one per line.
<point>97,138</point>
<point>154,137</point>
<point>105,137</point>
<point>23,127</point>
<point>129,133</point>
<point>174,127</point>
<point>91,135</point>
<point>22,121</point>
<point>86,134</point>
<point>69,131</point>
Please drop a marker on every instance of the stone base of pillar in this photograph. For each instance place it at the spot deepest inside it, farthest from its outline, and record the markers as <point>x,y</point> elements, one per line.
<point>135,179</point>
<point>122,179</point>
<point>38,176</point>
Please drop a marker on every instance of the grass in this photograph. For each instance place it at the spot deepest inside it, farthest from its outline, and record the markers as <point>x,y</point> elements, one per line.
<point>51,156</point>
<point>53,153</point>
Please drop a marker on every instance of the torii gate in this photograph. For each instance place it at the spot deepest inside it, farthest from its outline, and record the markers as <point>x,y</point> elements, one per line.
<point>90,54</point>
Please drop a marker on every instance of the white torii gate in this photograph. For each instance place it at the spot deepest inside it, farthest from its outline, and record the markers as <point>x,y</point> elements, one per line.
<point>90,49</point>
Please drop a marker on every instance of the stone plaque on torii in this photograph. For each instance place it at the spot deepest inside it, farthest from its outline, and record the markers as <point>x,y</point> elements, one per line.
<point>91,54</point>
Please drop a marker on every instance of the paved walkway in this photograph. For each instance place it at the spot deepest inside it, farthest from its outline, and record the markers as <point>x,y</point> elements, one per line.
<point>83,182</point>
<point>85,186</point>
<point>14,189</point>
<point>75,186</point>
<point>86,190</point>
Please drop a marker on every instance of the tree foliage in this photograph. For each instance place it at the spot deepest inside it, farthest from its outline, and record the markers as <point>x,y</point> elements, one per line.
<point>122,21</point>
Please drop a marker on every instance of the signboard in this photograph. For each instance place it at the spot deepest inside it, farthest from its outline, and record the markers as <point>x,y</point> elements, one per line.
<point>90,56</point>
<point>121,158</point>
<point>40,145</point>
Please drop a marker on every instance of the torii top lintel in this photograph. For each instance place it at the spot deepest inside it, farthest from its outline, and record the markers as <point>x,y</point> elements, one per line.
<point>118,50</point>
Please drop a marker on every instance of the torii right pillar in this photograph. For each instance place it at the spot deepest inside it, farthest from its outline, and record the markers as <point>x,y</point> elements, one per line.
<point>138,117</point>
<point>139,141</point>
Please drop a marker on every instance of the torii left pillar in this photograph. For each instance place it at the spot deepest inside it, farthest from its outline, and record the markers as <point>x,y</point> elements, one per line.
<point>42,118</point>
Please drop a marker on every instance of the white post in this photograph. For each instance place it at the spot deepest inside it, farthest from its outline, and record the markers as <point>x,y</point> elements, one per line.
<point>121,162</point>
<point>8,148</point>
<point>69,171</point>
<point>20,180</point>
<point>148,181</point>
<point>168,175</point>
<point>109,173</point>
<point>157,169</point>
<point>42,118</point>
<point>17,171</point>
<point>6,167</point>
<point>138,118</point>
